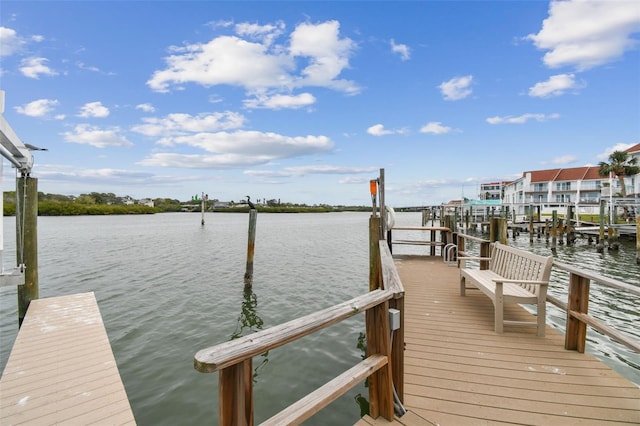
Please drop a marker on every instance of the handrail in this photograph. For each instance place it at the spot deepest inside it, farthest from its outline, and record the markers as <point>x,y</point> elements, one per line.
<point>384,364</point>
<point>600,279</point>
<point>578,302</point>
<point>225,354</point>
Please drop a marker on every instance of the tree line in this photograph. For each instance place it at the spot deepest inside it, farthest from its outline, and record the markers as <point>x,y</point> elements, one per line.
<point>96,203</point>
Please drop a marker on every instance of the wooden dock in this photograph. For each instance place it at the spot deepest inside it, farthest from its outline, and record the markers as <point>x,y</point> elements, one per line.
<point>459,372</point>
<point>62,369</point>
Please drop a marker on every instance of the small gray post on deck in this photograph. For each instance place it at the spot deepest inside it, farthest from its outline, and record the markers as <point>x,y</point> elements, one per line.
<point>27,241</point>
<point>251,244</point>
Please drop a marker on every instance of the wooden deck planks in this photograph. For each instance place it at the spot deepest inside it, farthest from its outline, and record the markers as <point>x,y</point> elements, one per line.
<point>458,371</point>
<point>62,369</point>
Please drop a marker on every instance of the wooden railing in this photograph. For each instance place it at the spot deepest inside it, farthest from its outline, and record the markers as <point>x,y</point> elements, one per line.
<point>577,303</point>
<point>233,359</point>
<point>577,308</point>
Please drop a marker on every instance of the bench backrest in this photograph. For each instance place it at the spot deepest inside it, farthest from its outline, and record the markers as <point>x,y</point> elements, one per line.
<point>513,263</point>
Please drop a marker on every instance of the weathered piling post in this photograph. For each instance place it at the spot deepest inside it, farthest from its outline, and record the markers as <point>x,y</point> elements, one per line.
<point>571,236</point>
<point>554,229</point>
<point>638,240</point>
<point>251,244</point>
<point>27,241</point>
<point>498,230</point>
<point>546,230</point>
<point>203,205</point>
<point>467,219</point>
<point>531,230</point>
<point>601,220</point>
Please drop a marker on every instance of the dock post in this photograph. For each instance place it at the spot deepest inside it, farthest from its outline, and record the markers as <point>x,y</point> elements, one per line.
<point>602,208</point>
<point>637,239</point>
<point>531,230</point>
<point>554,229</point>
<point>27,241</point>
<point>251,244</point>
<point>578,302</point>
<point>498,230</point>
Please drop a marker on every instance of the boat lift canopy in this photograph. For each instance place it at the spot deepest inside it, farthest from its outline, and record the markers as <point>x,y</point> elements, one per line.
<point>15,151</point>
<point>11,147</point>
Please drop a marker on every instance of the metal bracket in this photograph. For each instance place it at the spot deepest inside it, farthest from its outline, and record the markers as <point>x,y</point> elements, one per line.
<point>13,276</point>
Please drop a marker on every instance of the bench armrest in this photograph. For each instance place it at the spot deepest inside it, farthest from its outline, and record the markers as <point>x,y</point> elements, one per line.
<point>516,281</point>
<point>473,258</point>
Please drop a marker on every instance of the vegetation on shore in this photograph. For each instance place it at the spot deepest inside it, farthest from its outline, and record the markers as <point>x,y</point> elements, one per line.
<point>109,204</point>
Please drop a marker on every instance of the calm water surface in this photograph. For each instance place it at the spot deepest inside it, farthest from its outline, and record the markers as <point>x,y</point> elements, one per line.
<point>168,287</point>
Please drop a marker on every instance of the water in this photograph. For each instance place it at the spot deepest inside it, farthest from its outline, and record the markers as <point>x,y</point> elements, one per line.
<point>168,287</point>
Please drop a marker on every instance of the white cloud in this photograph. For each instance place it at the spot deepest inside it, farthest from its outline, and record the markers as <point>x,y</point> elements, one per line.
<point>604,156</point>
<point>565,159</point>
<point>262,65</point>
<point>237,149</point>
<point>255,143</point>
<point>457,88</point>
<point>307,170</point>
<point>266,33</point>
<point>379,130</point>
<point>281,101</point>
<point>401,49</point>
<point>93,109</point>
<point>556,85</point>
<point>180,124</point>
<point>328,55</point>
<point>436,128</point>
<point>85,134</point>
<point>37,108</point>
<point>10,42</point>
<point>145,107</point>
<point>202,161</point>
<point>35,67</point>
<point>587,33</point>
<point>521,119</point>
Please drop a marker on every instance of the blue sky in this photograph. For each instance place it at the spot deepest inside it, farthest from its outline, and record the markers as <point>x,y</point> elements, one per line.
<point>306,101</point>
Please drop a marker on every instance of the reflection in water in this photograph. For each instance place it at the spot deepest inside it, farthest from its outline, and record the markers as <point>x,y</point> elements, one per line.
<point>250,322</point>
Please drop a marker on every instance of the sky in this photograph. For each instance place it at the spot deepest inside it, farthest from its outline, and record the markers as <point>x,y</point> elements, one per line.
<point>305,101</point>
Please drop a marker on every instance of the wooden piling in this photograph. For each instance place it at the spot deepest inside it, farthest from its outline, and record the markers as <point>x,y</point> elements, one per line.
<point>554,229</point>
<point>637,239</point>
<point>27,241</point>
<point>531,224</point>
<point>498,230</point>
<point>248,275</point>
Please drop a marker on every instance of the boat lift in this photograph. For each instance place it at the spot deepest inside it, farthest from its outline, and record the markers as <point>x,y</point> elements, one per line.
<point>19,155</point>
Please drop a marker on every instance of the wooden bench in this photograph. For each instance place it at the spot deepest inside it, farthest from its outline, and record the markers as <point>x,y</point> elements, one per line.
<point>514,276</point>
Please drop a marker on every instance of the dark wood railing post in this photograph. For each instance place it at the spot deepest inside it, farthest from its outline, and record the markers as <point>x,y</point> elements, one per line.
<point>578,301</point>
<point>397,349</point>
<point>380,382</point>
<point>235,388</point>
<point>485,251</point>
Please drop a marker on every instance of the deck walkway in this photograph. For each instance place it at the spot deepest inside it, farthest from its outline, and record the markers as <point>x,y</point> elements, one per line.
<point>459,372</point>
<point>61,369</point>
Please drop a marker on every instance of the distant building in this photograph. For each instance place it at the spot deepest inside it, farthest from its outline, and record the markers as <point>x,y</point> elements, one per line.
<point>634,191</point>
<point>146,202</point>
<point>491,190</point>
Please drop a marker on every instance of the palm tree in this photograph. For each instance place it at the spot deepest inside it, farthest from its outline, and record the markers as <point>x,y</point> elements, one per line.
<point>621,165</point>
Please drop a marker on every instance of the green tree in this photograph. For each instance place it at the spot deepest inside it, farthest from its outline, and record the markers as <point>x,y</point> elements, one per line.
<point>621,165</point>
